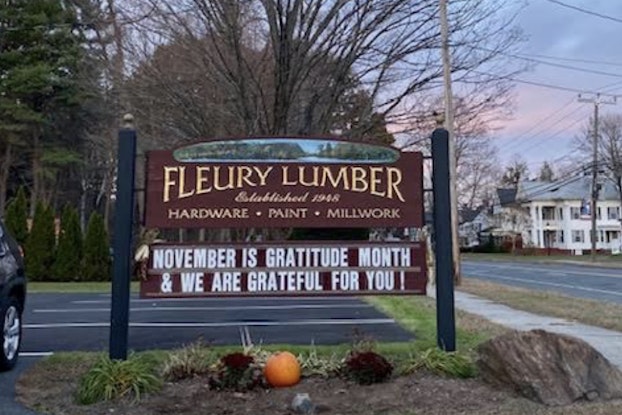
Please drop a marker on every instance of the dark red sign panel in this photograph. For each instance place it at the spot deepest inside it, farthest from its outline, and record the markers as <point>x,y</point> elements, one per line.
<point>284,183</point>
<point>292,269</point>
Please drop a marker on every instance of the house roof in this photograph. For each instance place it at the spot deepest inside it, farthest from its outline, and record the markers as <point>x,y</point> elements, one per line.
<point>506,196</point>
<point>577,188</point>
<point>468,215</point>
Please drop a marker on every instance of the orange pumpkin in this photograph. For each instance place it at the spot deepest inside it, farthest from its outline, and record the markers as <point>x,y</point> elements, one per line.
<point>282,370</point>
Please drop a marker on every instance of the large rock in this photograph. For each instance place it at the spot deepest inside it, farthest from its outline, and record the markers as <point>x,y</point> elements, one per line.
<point>549,368</point>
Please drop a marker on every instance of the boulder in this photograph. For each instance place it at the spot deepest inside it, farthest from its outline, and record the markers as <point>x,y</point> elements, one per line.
<point>549,368</point>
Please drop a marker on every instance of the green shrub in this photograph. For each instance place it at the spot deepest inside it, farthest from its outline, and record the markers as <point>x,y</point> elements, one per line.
<point>68,263</point>
<point>366,368</point>
<point>96,250</point>
<point>192,360</point>
<point>237,371</point>
<point>16,219</point>
<point>41,244</point>
<point>113,379</point>
<point>444,363</point>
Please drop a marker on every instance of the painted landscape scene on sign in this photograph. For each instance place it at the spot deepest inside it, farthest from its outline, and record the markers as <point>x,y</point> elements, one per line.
<point>284,150</point>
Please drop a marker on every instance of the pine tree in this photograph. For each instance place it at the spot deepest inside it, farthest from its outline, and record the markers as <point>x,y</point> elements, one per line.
<point>96,250</point>
<point>17,217</point>
<point>40,245</point>
<point>41,89</point>
<point>68,263</point>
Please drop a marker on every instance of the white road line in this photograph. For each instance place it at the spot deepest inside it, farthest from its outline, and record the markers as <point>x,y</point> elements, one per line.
<point>218,299</point>
<point>35,354</point>
<point>586,273</point>
<point>326,322</point>
<point>553,284</point>
<point>223,308</point>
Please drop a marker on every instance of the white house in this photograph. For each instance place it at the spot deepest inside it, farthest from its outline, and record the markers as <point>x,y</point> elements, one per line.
<point>511,220</point>
<point>560,216</point>
<point>472,223</point>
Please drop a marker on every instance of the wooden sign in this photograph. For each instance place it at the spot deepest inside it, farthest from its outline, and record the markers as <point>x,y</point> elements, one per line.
<point>306,268</point>
<point>283,182</point>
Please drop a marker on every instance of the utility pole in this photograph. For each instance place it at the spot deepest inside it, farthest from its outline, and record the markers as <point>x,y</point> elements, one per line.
<point>597,100</point>
<point>449,126</point>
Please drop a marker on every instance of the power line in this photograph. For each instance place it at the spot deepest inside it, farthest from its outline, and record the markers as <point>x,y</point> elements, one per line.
<point>544,118</point>
<point>541,188</point>
<point>544,128</point>
<point>556,65</point>
<point>582,10</point>
<point>540,84</point>
<point>574,175</point>
<point>539,143</point>
<point>578,60</point>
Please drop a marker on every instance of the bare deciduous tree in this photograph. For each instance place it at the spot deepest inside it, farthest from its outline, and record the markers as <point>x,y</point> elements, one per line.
<point>286,66</point>
<point>206,68</point>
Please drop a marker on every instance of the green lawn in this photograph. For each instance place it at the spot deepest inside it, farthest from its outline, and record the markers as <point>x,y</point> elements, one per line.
<point>418,315</point>
<point>74,287</point>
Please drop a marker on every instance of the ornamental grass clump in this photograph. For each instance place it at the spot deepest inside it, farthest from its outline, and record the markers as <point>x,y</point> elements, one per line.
<point>367,367</point>
<point>238,372</point>
<point>112,379</point>
<point>189,361</point>
<point>322,366</point>
<point>437,361</point>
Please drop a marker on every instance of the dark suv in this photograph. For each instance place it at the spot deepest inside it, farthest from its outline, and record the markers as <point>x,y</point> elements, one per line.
<point>12,297</point>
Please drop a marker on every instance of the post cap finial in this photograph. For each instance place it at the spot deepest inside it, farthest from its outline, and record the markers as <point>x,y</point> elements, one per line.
<point>128,121</point>
<point>439,118</point>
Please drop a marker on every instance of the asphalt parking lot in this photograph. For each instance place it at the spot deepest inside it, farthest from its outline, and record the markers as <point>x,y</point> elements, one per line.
<point>68,322</point>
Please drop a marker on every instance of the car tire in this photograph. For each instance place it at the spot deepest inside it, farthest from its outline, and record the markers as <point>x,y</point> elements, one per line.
<point>11,323</point>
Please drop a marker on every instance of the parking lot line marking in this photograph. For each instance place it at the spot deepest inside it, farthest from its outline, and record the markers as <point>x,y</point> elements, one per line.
<point>218,299</point>
<point>319,322</point>
<point>214,308</point>
<point>35,354</point>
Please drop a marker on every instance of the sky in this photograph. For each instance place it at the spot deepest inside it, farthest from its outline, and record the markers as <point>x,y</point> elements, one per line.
<point>546,120</point>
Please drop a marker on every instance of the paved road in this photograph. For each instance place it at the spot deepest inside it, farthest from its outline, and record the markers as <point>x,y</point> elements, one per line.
<point>574,280</point>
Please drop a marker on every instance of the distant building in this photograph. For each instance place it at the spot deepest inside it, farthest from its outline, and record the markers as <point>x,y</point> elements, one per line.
<point>559,215</point>
<point>473,224</point>
<point>511,219</point>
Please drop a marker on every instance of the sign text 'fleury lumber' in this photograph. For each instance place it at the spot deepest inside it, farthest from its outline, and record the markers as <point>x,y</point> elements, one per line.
<point>299,183</point>
<point>292,269</point>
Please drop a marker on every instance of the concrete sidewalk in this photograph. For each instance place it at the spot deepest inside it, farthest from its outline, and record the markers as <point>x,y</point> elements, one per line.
<point>607,342</point>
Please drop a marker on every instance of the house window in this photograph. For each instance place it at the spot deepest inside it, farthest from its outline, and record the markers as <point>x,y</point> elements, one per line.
<point>558,237</point>
<point>599,213</point>
<point>561,214</point>
<point>575,212</point>
<point>578,236</point>
<point>613,213</point>
<point>548,213</point>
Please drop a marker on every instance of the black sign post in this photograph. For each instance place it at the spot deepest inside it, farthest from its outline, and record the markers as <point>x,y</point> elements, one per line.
<point>122,244</point>
<point>445,318</point>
